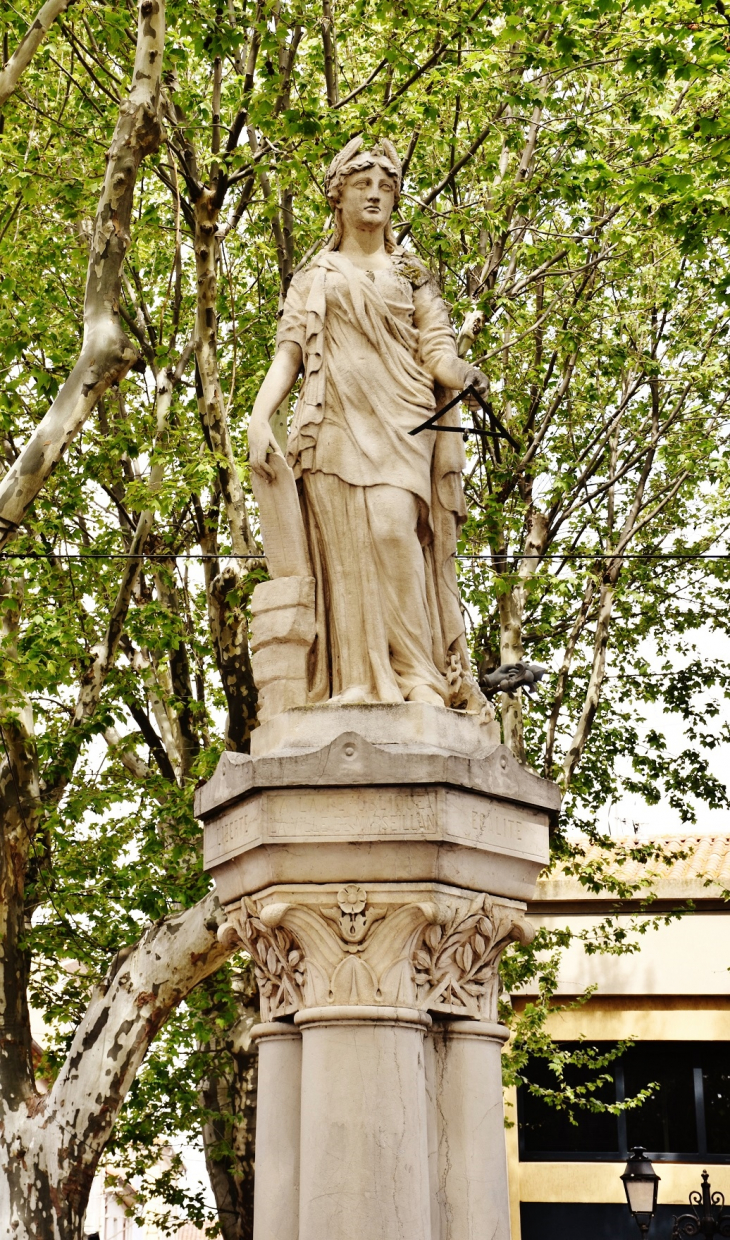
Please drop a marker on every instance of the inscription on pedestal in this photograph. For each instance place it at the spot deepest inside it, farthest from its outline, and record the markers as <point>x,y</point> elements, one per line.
<point>493,825</point>
<point>281,816</point>
<point>392,812</point>
<point>239,828</point>
<point>471,819</point>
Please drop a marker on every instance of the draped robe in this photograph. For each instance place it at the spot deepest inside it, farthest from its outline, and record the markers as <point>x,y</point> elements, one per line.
<point>388,614</point>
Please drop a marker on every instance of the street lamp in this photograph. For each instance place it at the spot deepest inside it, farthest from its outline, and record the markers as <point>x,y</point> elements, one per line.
<point>711,1222</point>
<point>641,1183</point>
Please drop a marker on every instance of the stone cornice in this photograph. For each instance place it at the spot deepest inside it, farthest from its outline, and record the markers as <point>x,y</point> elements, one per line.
<point>352,761</point>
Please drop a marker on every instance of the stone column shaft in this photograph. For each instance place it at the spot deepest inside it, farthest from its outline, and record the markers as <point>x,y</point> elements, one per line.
<point>364,1168</point>
<point>276,1189</point>
<point>469,1171</point>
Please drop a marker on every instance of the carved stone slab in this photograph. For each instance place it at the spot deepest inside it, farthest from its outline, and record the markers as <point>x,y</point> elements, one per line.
<point>350,760</point>
<point>353,811</point>
<point>410,725</point>
<point>362,815</point>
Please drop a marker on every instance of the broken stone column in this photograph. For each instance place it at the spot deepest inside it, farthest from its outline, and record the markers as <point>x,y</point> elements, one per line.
<point>282,632</point>
<point>375,861</point>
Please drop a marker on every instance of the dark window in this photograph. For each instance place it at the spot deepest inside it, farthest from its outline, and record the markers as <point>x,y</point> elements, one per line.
<point>716,1091</point>
<point>544,1128</point>
<point>667,1121</point>
<point>686,1119</point>
<point>558,1220</point>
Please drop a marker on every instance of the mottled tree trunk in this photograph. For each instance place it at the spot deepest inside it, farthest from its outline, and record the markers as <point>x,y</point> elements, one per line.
<point>51,1144</point>
<point>511,606</point>
<point>210,394</point>
<point>229,1135</point>
<point>19,815</point>
<point>225,590</point>
<point>106,351</point>
<point>11,73</point>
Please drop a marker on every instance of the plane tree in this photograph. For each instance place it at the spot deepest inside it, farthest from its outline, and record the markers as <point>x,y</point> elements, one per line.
<point>566,179</point>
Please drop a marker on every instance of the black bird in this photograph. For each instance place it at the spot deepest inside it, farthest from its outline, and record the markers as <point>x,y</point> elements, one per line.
<point>512,676</point>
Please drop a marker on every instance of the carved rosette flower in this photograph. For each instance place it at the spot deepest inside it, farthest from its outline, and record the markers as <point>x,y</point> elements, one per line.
<point>457,962</point>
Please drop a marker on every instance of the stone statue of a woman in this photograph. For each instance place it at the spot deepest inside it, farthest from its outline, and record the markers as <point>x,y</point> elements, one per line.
<point>381,509</point>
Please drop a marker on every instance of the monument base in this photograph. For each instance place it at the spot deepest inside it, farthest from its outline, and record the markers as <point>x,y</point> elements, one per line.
<point>374,861</point>
<point>410,726</point>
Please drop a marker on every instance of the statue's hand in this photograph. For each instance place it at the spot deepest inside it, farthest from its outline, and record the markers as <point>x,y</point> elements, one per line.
<point>261,442</point>
<point>475,378</point>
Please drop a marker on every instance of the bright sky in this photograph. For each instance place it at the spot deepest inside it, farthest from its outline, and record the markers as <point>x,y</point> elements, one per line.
<point>658,820</point>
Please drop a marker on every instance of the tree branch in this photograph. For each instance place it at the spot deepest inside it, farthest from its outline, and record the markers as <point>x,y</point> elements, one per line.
<point>104,654</point>
<point>110,1042</point>
<point>210,395</point>
<point>106,352</point>
<point>330,55</point>
<point>12,72</point>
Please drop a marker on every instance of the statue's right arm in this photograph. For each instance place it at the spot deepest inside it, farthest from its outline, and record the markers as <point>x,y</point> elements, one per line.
<point>280,379</point>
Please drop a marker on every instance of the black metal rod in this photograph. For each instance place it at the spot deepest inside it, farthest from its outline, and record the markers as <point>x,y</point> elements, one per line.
<point>498,431</point>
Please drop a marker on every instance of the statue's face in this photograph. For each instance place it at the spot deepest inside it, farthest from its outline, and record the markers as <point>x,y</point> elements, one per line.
<point>367,199</point>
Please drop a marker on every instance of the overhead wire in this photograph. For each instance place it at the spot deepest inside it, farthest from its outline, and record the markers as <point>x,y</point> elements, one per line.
<point>502,555</point>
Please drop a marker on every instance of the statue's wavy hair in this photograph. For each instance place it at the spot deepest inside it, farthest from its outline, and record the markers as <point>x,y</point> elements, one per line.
<point>352,158</point>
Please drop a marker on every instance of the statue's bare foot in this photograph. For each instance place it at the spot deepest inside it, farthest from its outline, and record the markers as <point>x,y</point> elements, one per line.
<point>424,693</point>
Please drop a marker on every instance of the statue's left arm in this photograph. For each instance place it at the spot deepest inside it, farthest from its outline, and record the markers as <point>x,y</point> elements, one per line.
<point>438,343</point>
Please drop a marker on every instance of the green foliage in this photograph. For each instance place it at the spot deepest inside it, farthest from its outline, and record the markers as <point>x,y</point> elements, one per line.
<point>603,279</point>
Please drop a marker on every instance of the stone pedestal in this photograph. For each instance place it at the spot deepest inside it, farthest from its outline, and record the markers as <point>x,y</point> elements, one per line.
<point>375,862</point>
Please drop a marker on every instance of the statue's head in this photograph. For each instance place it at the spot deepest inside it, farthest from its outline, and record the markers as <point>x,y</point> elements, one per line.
<point>353,160</point>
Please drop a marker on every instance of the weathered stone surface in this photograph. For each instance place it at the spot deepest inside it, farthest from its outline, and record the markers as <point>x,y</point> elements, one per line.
<point>364,1157</point>
<point>468,1161</point>
<point>285,660</point>
<point>356,812</point>
<point>413,725</point>
<point>282,634</point>
<point>338,755</point>
<point>281,695</point>
<point>373,835</point>
<point>278,1123</point>
<point>283,611</point>
<point>375,886</point>
<point>282,592</point>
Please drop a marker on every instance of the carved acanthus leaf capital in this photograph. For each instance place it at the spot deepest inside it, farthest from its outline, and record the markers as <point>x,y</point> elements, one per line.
<point>278,959</point>
<point>457,963</point>
<point>378,947</point>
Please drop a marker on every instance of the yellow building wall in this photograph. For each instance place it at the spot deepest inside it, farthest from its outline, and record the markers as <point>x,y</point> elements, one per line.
<point>607,1018</point>
<point>689,955</point>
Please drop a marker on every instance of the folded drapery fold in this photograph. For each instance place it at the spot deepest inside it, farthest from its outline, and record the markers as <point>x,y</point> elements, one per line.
<point>371,344</point>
